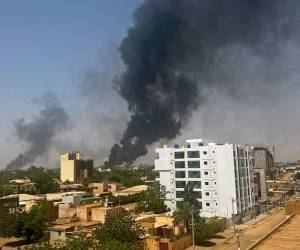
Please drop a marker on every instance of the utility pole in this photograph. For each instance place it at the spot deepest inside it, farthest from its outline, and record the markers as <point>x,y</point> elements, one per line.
<point>233,216</point>
<point>193,232</point>
<point>238,240</point>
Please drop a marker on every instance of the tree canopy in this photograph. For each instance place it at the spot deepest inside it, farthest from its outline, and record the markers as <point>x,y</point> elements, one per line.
<point>120,228</point>
<point>29,225</point>
<point>190,206</point>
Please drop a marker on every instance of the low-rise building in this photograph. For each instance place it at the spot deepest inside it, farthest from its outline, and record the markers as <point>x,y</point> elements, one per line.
<point>59,196</point>
<point>9,203</point>
<point>133,190</point>
<point>22,185</point>
<point>280,188</point>
<point>93,212</point>
<point>104,187</point>
<point>62,229</point>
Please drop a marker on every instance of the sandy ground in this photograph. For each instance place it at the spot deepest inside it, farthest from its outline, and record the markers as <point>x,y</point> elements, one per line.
<point>248,232</point>
<point>287,237</point>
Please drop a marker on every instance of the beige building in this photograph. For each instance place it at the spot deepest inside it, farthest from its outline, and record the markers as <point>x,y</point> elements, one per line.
<point>93,212</point>
<point>75,169</point>
<point>22,185</point>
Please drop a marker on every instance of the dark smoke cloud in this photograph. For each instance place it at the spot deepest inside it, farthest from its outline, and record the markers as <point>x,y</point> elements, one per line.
<point>38,133</point>
<point>172,59</point>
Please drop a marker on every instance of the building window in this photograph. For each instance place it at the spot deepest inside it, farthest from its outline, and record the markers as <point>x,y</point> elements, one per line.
<point>193,164</point>
<point>205,173</point>
<point>206,183</point>
<point>205,162</point>
<point>205,152</point>
<point>193,154</point>
<point>206,193</point>
<point>179,164</point>
<point>180,184</point>
<point>196,184</point>
<point>194,174</point>
<point>179,155</point>
<point>207,204</point>
<point>179,194</point>
<point>180,174</point>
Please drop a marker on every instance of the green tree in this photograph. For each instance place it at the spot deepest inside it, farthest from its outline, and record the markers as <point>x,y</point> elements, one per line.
<point>153,199</point>
<point>44,179</point>
<point>83,243</point>
<point>297,176</point>
<point>120,228</point>
<point>5,190</point>
<point>207,231</point>
<point>29,225</point>
<point>189,207</point>
<point>203,232</point>
<point>117,245</point>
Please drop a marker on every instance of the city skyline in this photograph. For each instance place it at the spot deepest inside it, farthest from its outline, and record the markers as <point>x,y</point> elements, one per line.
<point>70,50</point>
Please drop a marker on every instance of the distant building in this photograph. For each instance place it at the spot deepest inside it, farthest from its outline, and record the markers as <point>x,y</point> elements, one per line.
<point>132,190</point>
<point>263,158</point>
<point>9,203</point>
<point>222,176</point>
<point>104,187</point>
<point>260,181</point>
<point>280,188</point>
<point>75,169</point>
<point>22,185</point>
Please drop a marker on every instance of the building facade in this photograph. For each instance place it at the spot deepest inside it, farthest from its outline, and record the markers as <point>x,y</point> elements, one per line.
<point>75,169</point>
<point>263,158</point>
<point>222,176</point>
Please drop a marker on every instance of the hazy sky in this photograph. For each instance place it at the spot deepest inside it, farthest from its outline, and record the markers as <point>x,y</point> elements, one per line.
<point>44,46</point>
<point>70,48</point>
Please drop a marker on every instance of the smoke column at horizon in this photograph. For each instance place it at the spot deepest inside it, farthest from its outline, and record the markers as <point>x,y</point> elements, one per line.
<point>38,133</point>
<point>170,60</point>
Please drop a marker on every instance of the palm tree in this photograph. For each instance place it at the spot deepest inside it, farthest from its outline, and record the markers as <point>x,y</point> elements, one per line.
<point>190,205</point>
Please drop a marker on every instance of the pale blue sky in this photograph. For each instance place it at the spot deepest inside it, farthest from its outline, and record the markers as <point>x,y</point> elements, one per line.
<point>45,44</point>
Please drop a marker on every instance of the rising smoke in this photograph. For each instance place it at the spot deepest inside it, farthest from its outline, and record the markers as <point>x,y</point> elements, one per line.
<point>38,133</point>
<point>172,60</point>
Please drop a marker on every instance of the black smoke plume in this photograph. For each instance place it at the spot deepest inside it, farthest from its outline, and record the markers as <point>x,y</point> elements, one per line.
<point>170,60</point>
<point>38,134</point>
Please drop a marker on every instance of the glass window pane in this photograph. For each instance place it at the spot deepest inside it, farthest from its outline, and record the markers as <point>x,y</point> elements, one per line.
<point>193,154</point>
<point>179,174</point>
<point>194,164</point>
<point>196,184</point>
<point>179,194</point>
<point>180,184</point>
<point>194,174</point>
<point>179,155</point>
<point>179,164</point>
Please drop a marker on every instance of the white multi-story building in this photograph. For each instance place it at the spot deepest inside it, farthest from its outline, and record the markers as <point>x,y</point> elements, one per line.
<point>221,174</point>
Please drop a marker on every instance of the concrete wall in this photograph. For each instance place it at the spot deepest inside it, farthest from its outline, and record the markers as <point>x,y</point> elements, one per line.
<point>157,243</point>
<point>57,236</point>
<point>181,244</point>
